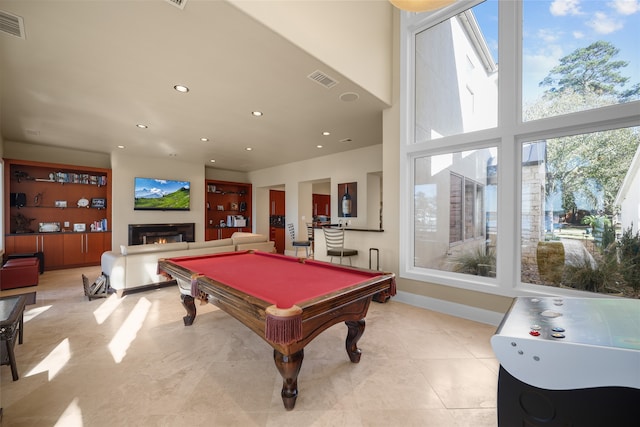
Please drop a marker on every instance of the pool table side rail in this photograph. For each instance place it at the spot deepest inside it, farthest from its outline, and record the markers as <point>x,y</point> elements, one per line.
<point>317,313</point>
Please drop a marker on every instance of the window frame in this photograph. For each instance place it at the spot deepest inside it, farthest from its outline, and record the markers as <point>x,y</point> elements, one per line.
<point>508,137</point>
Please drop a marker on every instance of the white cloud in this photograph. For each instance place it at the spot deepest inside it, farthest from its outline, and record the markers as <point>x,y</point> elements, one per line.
<point>547,35</point>
<point>565,7</point>
<point>626,7</point>
<point>535,67</point>
<point>578,35</point>
<point>603,24</point>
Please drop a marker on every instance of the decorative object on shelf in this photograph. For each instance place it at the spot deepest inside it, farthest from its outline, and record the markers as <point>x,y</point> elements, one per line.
<point>234,206</point>
<point>80,227</point>
<point>83,203</point>
<point>60,203</point>
<point>99,203</point>
<point>48,227</point>
<point>220,207</point>
<point>20,175</point>
<point>420,5</point>
<point>37,199</point>
<point>23,224</point>
<point>348,196</point>
<point>18,199</point>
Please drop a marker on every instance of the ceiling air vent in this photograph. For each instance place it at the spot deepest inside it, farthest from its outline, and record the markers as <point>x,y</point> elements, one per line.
<point>178,3</point>
<point>321,78</point>
<point>11,24</point>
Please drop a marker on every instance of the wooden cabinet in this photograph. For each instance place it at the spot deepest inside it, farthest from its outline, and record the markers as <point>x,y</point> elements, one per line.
<point>83,248</point>
<point>49,244</point>
<point>277,202</point>
<point>51,194</point>
<point>217,233</point>
<point>224,198</point>
<point>321,204</point>
<point>277,235</point>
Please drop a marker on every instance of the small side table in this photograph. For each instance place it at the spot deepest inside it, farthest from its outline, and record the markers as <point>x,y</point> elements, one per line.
<point>11,327</point>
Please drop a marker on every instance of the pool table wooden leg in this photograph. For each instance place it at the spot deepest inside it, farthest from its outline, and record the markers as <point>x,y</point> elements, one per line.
<point>289,367</point>
<point>356,329</point>
<point>190,306</point>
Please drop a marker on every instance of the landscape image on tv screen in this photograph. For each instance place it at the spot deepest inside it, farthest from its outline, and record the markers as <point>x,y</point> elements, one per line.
<point>161,194</point>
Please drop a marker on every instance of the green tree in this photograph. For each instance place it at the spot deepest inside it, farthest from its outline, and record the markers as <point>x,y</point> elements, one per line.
<point>589,166</point>
<point>587,70</point>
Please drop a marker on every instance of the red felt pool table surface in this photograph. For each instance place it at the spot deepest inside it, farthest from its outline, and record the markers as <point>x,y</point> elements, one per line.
<point>281,280</point>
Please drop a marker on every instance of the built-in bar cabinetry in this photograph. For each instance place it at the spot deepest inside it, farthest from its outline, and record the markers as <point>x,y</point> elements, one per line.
<point>60,210</point>
<point>321,205</point>
<point>227,208</point>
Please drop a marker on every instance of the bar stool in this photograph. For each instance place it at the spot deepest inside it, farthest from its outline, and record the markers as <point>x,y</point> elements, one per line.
<point>306,244</point>
<point>334,238</point>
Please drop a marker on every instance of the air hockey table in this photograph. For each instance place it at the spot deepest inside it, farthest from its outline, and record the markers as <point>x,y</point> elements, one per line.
<point>570,362</point>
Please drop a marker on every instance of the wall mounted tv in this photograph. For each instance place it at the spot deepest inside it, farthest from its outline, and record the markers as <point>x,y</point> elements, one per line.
<point>161,194</point>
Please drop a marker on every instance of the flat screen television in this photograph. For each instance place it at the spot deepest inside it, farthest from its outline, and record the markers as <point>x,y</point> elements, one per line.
<point>161,194</point>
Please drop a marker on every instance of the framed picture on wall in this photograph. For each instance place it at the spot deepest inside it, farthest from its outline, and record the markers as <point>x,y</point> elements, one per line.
<point>348,200</point>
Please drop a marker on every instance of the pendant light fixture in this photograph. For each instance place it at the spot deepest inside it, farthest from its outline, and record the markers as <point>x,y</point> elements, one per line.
<point>420,5</point>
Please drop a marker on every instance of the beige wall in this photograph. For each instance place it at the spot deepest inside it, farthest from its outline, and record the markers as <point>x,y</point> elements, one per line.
<point>45,153</point>
<point>353,37</point>
<point>126,167</point>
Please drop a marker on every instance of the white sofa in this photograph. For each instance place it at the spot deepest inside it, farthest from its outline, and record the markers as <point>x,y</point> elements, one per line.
<point>137,266</point>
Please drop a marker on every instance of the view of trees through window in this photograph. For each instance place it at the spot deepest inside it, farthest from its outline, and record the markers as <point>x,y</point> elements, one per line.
<point>579,187</point>
<point>574,229</point>
<point>579,55</point>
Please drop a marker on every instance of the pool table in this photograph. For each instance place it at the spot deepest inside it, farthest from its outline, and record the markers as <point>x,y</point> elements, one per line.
<point>287,301</point>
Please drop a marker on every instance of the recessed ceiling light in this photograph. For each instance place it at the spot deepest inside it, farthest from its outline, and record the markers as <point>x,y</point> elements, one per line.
<point>248,148</point>
<point>346,140</point>
<point>319,146</point>
<point>212,161</point>
<point>121,146</point>
<point>349,97</point>
<point>181,88</point>
<point>325,133</point>
<point>256,113</point>
<point>141,126</point>
<point>204,139</point>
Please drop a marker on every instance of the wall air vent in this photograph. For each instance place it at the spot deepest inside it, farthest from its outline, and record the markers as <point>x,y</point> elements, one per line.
<point>178,3</point>
<point>11,24</point>
<point>323,79</point>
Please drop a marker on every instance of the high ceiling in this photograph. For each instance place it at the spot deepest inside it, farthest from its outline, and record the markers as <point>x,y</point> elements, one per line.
<point>87,72</point>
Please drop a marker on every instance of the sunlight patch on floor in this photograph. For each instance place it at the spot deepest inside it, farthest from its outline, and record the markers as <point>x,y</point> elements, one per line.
<point>35,312</point>
<point>72,416</point>
<point>129,329</point>
<point>103,312</point>
<point>54,362</point>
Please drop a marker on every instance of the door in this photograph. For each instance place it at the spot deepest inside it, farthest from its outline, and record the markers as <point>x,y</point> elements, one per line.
<point>52,247</point>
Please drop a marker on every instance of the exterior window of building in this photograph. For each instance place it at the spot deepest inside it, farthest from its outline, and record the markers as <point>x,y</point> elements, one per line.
<point>450,58</point>
<point>450,191</point>
<point>579,55</point>
<point>562,213</point>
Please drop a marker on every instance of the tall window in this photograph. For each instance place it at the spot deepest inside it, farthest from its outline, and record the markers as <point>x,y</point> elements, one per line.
<point>563,210</point>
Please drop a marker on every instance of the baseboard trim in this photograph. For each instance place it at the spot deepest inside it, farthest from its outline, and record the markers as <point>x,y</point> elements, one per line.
<point>451,308</point>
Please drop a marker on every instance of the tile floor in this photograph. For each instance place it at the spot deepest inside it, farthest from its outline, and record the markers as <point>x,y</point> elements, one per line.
<point>131,361</point>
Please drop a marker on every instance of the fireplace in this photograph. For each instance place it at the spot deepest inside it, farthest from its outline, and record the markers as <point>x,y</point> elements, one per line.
<point>144,234</point>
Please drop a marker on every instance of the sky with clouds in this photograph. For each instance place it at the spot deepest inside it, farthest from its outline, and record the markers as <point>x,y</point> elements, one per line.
<point>553,29</point>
